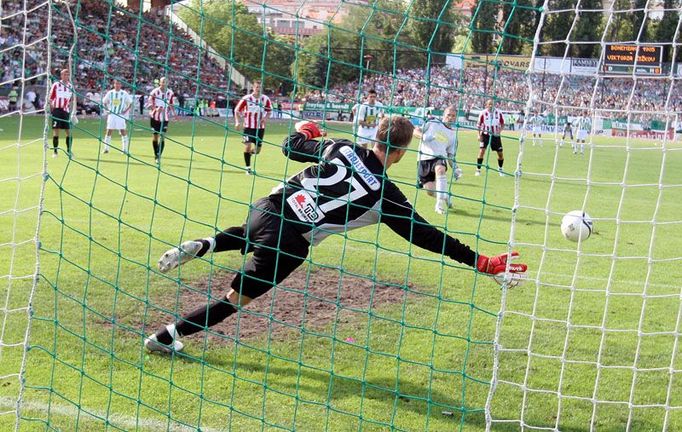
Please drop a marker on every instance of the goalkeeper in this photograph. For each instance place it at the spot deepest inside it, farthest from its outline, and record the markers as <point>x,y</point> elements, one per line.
<point>437,149</point>
<point>345,188</point>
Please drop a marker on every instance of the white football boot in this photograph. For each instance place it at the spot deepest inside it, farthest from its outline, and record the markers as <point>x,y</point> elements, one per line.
<point>178,256</point>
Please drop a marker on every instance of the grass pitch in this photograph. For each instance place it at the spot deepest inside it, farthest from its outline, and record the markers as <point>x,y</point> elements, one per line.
<point>601,319</point>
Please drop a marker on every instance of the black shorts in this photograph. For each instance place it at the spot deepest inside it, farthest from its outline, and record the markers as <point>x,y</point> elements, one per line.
<point>61,119</point>
<point>495,142</point>
<point>427,170</point>
<point>158,126</point>
<point>278,249</point>
<point>254,135</point>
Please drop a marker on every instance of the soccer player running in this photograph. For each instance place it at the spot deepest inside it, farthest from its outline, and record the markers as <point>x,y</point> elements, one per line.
<point>161,107</point>
<point>437,149</point>
<point>490,126</point>
<point>60,101</point>
<point>254,109</point>
<point>368,115</point>
<point>117,102</point>
<point>346,187</point>
<point>584,127</point>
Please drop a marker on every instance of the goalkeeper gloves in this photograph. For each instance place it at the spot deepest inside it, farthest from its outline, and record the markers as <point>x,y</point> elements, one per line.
<point>310,129</point>
<point>497,265</point>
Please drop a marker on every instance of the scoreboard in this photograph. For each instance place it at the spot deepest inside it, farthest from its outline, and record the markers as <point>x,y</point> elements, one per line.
<point>640,59</point>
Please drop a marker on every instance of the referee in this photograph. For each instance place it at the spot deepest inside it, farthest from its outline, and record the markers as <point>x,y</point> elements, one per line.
<point>346,187</point>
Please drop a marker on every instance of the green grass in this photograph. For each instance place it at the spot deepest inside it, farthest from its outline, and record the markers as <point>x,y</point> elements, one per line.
<point>107,218</point>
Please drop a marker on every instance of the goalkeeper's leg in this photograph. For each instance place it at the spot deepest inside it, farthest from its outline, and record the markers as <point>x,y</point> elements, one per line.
<point>268,267</point>
<point>231,239</point>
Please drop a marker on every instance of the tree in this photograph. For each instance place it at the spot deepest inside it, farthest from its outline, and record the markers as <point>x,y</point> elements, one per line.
<point>483,23</point>
<point>231,30</point>
<point>665,32</point>
<point>557,26</point>
<point>518,25</point>
<point>640,22</point>
<point>588,29</point>
<point>434,26</point>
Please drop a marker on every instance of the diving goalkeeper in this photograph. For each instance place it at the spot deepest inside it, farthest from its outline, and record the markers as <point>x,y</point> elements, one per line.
<point>346,187</point>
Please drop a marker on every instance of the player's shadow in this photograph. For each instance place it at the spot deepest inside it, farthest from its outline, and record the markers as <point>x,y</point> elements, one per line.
<point>417,397</point>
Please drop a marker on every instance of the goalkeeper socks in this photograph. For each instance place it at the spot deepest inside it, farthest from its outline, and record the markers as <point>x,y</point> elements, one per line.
<point>479,163</point>
<point>441,188</point>
<point>197,320</point>
<point>247,158</point>
<point>232,238</point>
<point>500,162</point>
<point>55,144</point>
<point>68,144</point>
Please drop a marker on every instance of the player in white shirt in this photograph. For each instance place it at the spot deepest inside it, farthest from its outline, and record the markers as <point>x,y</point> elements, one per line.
<point>584,126</point>
<point>536,121</point>
<point>437,150</point>
<point>117,103</point>
<point>368,116</point>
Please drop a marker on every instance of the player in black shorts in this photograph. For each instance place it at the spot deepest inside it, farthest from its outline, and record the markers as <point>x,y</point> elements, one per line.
<point>346,187</point>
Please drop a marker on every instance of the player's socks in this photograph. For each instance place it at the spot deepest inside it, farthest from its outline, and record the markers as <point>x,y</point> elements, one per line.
<point>479,163</point>
<point>68,144</point>
<point>204,317</point>
<point>247,159</point>
<point>500,163</point>
<point>155,144</point>
<point>124,143</point>
<point>162,145</point>
<point>232,238</point>
<point>442,188</point>
<point>55,144</point>
<point>107,141</point>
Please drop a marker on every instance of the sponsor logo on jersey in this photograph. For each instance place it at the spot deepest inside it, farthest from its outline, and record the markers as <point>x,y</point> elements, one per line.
<point>305,207</point>
<point>360,168</point>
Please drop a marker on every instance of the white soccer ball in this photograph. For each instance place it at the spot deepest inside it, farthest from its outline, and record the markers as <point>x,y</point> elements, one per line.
<point>576,226</point>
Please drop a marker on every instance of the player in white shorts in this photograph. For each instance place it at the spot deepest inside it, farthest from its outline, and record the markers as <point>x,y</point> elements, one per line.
<point>368,115</point>
<point>536,121</point>
<point>584,127</point>
<point>117,103</point>
<point>437,150</point>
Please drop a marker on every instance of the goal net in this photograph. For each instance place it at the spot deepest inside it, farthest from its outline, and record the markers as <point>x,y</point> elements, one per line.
<point>371,332</point>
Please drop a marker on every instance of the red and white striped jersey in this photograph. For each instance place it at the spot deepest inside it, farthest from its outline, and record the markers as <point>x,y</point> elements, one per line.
<point>253,109</point>
<point>490,123</point>
<point>60,95</point>
<point>160,104</point>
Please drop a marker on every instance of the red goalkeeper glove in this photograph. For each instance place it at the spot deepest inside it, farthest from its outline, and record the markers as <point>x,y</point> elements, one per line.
<point>310,129</point>
<point>496,266</point>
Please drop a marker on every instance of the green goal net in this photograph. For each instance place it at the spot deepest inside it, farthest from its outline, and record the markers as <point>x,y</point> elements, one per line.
<point>371,332</point>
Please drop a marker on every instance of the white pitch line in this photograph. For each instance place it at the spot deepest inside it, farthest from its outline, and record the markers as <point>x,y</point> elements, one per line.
<point>119,420</point>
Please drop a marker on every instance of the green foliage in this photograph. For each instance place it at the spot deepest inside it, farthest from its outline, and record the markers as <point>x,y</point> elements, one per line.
<point>434,26</point>
<point>235,33</point>
<point>483,24</point>
<point>665,31</point>
<point>588,29</point>
<point>557,26</point>
<point>519,24</point>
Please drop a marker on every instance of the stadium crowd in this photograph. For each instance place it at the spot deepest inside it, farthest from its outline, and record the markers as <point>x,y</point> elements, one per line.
<point>111,42</point>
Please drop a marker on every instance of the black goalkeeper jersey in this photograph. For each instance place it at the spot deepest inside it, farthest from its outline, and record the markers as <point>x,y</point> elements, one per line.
<point>347,189</point>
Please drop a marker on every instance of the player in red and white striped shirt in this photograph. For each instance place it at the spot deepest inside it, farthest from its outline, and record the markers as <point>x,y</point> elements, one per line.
<point>161,108</point>
<point>490,126</point>
<point>60,99</point>
<point>254,109</point>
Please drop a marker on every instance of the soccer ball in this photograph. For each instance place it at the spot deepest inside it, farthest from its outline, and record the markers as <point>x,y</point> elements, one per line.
<point>576,226</point>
